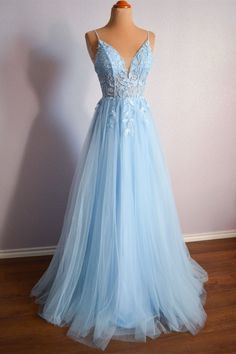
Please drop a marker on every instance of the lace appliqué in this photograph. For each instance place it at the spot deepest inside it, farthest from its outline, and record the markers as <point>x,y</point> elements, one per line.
<point>130,117</point>
<point>128,123</point>
<point>115,79</point>
<point>111,119</point>
<point>144,116</point>
<point>118,81</point>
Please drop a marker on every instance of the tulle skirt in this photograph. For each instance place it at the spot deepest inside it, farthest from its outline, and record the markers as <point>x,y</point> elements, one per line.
<point>121,269</point>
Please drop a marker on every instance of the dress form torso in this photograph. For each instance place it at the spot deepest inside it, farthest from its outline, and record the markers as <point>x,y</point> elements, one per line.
<point>121,33</point>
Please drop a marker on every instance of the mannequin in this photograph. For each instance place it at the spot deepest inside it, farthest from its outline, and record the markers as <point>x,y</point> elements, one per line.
<point>121,33</point>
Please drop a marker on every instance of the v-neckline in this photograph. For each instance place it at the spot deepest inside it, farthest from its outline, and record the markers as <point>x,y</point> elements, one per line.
<point>127,70</point>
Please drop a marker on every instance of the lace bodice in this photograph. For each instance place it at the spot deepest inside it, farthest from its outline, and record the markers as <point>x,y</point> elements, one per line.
<point>115,79</point>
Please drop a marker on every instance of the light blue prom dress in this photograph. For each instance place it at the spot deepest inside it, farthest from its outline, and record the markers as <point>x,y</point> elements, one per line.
<point>121,269</point>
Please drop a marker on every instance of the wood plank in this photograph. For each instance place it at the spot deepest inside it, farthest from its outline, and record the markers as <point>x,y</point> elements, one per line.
<point>24,332</point>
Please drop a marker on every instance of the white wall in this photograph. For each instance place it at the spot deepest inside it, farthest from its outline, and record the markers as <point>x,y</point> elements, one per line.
<point>48,91</point>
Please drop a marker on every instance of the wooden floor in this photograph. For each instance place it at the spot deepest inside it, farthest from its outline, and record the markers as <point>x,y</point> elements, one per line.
<point>24,332</point>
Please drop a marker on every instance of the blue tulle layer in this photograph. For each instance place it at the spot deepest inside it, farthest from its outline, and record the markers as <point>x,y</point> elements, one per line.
<point>121,268</point>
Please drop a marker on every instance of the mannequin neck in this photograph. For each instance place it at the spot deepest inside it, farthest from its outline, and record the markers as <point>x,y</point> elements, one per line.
<point>121,18</point>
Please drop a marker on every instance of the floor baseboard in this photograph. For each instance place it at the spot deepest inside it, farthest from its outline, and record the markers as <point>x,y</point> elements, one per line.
<point>49,250</point>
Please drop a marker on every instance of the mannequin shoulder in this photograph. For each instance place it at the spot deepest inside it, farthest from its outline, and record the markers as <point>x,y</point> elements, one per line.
<point>152,39</point>
<point>152,36</point>
<point>91,42</point>
<point>90,37</point>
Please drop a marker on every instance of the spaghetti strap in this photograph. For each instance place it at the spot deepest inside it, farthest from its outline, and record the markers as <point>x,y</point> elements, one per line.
<point>148,35</point>
<point>97,34</point>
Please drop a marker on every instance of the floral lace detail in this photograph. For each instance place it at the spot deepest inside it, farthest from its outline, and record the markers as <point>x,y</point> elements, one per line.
<point>111,119</point>
<point>128,119</point>
<point>114,78</point>
<point>119,82</point>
